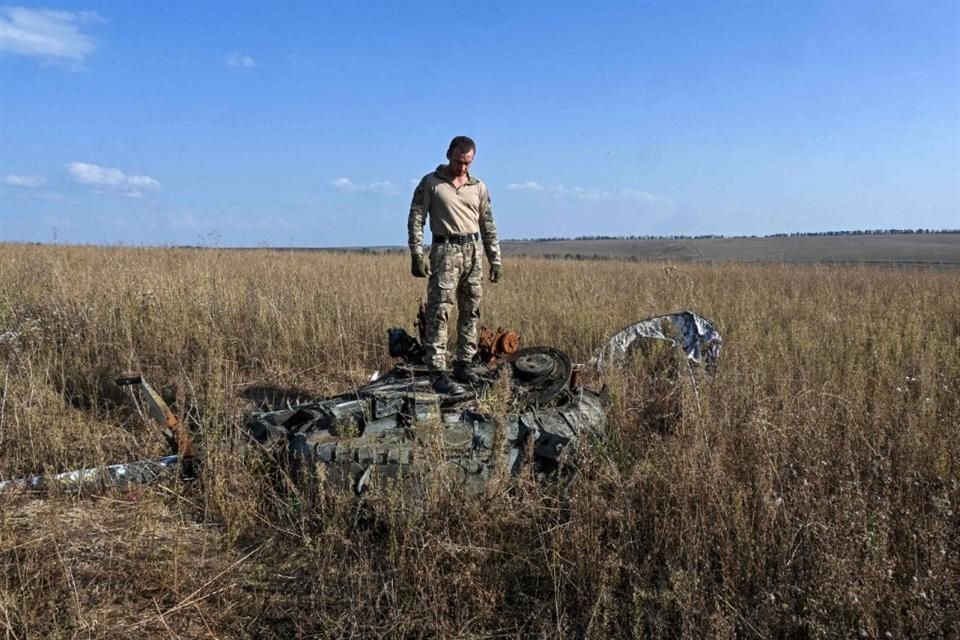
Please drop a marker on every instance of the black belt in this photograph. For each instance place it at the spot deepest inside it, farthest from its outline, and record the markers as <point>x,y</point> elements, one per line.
<point>464,239</point>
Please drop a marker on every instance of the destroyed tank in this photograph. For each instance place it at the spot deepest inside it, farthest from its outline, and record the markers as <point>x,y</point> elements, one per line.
<point>544,419</point>
<point>376,431</point>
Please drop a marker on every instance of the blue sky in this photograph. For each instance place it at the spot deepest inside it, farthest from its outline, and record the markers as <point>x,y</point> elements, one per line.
<point>305,124</point>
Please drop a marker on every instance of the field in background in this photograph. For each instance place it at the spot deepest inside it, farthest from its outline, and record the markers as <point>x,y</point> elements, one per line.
<point>857,248</point>
<point>809,489</point>
<point>931,249</point>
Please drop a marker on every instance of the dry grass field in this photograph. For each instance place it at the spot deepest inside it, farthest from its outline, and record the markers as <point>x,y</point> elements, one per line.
<point>811,489</point>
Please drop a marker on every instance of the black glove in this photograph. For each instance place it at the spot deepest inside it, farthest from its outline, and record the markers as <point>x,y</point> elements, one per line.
<point>417,266</point>
<point>496,272</point>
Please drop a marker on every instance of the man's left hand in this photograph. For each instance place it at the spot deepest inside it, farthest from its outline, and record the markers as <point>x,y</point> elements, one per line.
<point>496,272</point>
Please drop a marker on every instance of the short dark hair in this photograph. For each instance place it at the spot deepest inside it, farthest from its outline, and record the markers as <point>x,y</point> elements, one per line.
<point>462,143</point>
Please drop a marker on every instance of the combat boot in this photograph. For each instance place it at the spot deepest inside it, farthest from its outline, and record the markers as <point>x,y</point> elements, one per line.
<point>444,385</point>
<point>463,372</point>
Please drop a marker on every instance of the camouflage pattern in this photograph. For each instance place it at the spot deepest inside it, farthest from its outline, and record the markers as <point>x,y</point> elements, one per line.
<point>452,212</point>
<point>456,274</point>
<point>456,269</point>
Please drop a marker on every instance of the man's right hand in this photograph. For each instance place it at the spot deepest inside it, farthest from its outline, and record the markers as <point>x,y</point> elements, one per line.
<point>418,267</point>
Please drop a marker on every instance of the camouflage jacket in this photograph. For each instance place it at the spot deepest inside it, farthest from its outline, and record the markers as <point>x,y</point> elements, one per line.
<point>452,211</point>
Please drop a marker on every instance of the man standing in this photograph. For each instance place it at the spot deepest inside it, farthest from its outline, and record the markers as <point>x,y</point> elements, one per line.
<point>460,219</point>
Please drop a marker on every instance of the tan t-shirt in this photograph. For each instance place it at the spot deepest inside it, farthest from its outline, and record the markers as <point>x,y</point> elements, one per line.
<point>452,212</point>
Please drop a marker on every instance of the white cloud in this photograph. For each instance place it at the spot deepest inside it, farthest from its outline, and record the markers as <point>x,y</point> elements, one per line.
<point>214,221</point>
<point>142,181</point>
<point>638,195</point>
<point>381,187</point>
<point>347,185</point>
<point>586,194</point>
<point>525,186</point>
<point>113,179</point>
<point>30,182</point>
<point>237,59</point>
<point>591,194</point>
<point>535,187</point>
<point>53,36</point>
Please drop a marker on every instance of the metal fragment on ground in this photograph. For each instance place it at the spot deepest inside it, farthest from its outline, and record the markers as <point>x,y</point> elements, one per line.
<point>692,333</point>
<point>119,476</point>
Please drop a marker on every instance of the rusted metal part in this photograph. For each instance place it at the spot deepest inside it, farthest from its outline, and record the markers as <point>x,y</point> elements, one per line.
<point>575,376</point>
<point>494,345</point>
<point>507,342</point>
<point>485,344</point>
<point>173,430</point>
<point>491,345</point>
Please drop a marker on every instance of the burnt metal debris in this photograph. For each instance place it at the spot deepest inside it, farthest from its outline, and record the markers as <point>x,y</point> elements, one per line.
<point>694,334</point>
<point>544,416</point>
<point>375,431</point>
<point>115,475</point>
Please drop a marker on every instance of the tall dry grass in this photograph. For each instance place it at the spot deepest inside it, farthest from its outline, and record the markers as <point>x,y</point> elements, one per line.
<point>810,489</point>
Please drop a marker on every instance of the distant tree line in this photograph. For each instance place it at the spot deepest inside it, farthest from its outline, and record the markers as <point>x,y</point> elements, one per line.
<point>713,236</point>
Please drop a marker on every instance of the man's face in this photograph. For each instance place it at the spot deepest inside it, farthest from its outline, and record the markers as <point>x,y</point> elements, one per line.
<point>459,162</point>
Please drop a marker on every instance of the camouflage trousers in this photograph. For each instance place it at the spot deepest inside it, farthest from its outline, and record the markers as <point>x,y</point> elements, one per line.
<point>456,274</point>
